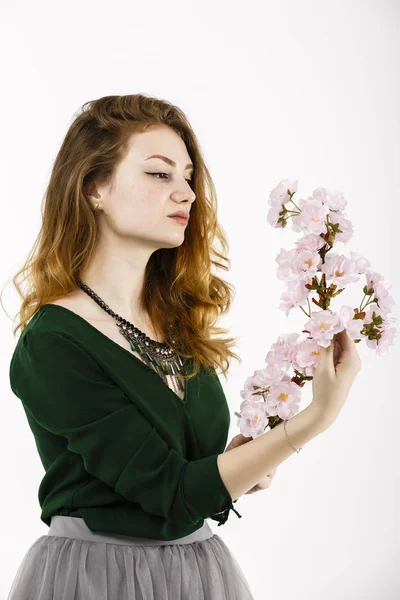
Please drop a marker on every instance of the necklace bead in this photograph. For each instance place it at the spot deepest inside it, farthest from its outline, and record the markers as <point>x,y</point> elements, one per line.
<point>157,355</point>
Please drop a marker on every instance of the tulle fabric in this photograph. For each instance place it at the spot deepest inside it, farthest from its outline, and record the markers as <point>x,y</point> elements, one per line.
<point>78,564</point>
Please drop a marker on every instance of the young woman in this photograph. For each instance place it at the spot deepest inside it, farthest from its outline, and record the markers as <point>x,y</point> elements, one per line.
<point>116,369</point>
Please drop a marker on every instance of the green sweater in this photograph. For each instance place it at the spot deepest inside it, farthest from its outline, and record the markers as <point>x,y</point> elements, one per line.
<point>119,448</point>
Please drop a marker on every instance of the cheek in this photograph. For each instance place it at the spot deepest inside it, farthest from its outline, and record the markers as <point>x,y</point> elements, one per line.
<point>138,218</point>
<point>131,207</point>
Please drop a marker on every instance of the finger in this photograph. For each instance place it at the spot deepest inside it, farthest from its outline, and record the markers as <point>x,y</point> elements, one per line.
<point>337,352</point>
<point>325,362</point>
<point>264,484</point>
<point>239,439</point>
<point>346,342</point>
<point>349,350</point>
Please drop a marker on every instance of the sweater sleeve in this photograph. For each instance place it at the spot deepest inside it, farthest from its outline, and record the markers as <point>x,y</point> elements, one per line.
<point>70,395</point>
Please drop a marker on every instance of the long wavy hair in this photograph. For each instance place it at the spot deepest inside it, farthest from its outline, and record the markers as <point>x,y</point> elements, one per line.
<point>180,294</point>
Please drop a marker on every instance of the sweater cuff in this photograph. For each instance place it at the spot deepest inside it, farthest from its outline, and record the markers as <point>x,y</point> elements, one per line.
<point>203,489</point>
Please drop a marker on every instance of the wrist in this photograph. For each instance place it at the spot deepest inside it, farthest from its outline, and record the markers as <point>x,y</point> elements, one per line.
<point>320,419</point>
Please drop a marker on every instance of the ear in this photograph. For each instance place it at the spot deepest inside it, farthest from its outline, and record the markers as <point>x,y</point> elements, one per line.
<point>92,192</point>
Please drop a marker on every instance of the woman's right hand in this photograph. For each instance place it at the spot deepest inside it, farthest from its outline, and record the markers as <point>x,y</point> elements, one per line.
<point>334,375</point>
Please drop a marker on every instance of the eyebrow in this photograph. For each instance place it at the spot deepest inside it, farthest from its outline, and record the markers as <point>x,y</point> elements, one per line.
<point>169,161</point>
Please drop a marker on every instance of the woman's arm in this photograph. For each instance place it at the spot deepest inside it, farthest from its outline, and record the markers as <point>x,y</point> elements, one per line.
<point>243,467</point>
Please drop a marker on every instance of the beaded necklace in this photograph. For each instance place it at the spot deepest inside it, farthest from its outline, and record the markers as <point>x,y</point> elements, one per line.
<point>157,355</point>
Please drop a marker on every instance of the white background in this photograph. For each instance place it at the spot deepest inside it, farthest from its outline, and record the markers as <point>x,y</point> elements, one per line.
<point>297,89</point>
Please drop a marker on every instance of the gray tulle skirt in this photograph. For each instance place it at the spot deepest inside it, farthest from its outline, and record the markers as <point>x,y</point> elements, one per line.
<point>72,562</point>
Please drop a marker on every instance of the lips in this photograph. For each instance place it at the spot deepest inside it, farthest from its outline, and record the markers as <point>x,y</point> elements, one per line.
<point>181,214</point>
<point>180,220</point>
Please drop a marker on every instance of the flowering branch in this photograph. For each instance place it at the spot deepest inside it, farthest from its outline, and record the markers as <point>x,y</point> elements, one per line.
<point>271,395</point>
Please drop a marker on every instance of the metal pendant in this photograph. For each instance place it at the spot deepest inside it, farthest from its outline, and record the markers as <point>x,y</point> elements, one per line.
<point>158,356</point>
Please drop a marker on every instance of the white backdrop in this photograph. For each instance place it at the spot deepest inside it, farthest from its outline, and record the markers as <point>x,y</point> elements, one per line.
<point>303,90</point>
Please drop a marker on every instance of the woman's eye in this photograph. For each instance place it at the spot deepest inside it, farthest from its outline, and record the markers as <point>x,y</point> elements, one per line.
<point>190,181</point>
<point>154,174</point>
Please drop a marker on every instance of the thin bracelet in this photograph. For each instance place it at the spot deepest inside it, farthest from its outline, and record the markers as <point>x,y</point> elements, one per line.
<point>284,426</point>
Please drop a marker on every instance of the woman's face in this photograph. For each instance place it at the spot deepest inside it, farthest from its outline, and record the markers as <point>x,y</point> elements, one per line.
<point>136,208</point>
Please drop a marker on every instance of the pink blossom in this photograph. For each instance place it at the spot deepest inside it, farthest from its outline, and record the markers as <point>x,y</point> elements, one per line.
<point>248,395</point>
<point>261,378</point>
<point>332,198</point>
<point>307,263</point>
<point>382,288</point>
<point>283,399</point>
<point>387,317</point>
<point>297,264</point>
<point>307,357</point>
<point>352,326</point>
<point>252,418</point>
<point>280,192</point>
<point>374,308</point>
<point>248,386</point>
<point>386,303</point>
<point>362,264</point>
<point>288,268</point>
<point>345,226</point>
<point>312,217</point>
<point>339,269</point>
<point>323,325</point>
<point>387,332</point>
<point>273,215</point>
<point>382,345</point>
<point>296,294</point>
<point>387,322</point>
<point>372,278</point>
<point>269,374</point>
<point>283,351</point>
<point>311,241</point>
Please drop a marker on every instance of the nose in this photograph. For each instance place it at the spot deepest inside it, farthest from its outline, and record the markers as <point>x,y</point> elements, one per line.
<point>188,195</point>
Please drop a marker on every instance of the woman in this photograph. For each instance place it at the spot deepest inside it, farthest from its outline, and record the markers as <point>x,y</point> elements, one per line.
<point>115,369</point>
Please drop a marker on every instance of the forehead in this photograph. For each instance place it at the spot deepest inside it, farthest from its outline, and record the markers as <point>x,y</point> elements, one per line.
<point>158,140</point>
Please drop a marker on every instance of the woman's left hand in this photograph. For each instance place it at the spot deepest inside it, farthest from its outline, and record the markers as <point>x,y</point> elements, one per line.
<point>265,482</point>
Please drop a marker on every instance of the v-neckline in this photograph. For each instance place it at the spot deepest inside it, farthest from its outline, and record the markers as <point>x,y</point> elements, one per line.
<point>128,352</point>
